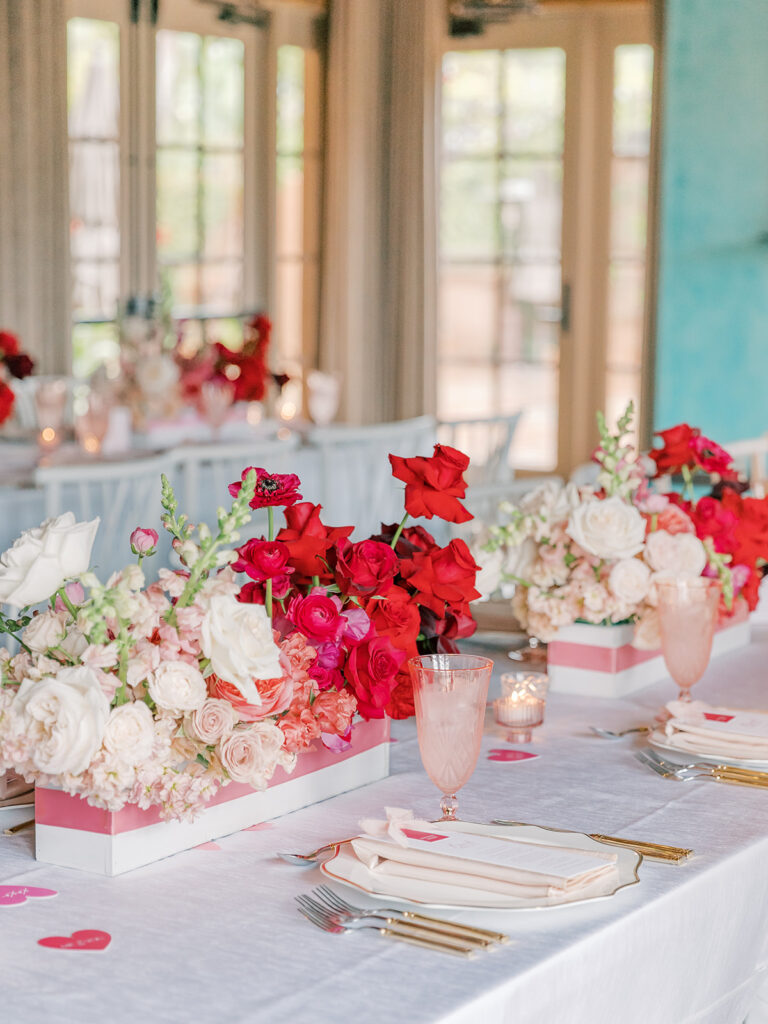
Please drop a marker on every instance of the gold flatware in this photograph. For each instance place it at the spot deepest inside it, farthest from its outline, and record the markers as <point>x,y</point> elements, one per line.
<point>649,850</point>
<point>18,828</point>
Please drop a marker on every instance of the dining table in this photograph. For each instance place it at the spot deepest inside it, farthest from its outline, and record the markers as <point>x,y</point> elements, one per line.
<point>214,933</point>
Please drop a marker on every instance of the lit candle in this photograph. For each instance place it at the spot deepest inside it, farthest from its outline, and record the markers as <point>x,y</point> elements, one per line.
<point>521,708</point>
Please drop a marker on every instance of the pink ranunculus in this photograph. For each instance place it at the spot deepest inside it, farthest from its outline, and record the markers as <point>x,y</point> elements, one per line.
<point>329,655</point>
<point>143,540</point>
<point>358,625</point>
<point>316,616</point>
<point>326,678</point>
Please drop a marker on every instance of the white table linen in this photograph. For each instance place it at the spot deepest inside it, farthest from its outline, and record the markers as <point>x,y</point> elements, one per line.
<point>213,935</point>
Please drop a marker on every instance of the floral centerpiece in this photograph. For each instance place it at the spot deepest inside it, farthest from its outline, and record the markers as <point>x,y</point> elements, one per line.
<point>158,695</point>
<point>246,370</point>
<point>13,363</point>
<point>594,554</point>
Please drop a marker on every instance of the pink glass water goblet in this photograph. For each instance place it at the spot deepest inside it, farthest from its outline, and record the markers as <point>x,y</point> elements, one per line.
<point>687,619</point>
<point>450,692</point>
<point>216,397</point>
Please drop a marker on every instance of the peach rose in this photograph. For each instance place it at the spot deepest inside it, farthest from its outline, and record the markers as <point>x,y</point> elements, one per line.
<point>276,695</point>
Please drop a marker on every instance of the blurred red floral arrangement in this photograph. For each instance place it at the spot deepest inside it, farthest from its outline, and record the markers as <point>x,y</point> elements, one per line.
<point>13,363</point>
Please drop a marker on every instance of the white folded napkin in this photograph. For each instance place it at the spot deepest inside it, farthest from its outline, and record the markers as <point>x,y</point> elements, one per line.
<point>466,867</point>
<point>727,732</point>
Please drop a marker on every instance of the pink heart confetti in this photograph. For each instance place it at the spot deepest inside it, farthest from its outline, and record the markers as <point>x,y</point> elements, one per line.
<point>13,895</point>
<point>258,828</point>
<point>208,846</point>
<point>510,755</point>
<point>86,939</point>
<point>392,739</point>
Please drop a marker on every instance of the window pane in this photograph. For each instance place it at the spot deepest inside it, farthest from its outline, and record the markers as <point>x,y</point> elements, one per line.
<point>533,390</point>
<point>222,71</point>
<point>222,286</point>
<point>96,287</point>
<point>93,79</point>
<point>629,206</point>
<point>531,213</point>
<point>534,109</point>
<point>177,203</point>
<point>632,83</point>
<point>465,391</point>
<point>183,283</point>
<point>469,310</point>
<point>625,315</point>
<point>178,87</point>
<point>471,102</point>
<point>531,325</point>
<point>223,204</point>
<point>94,345</point>
<point>290,206</point>
<point>229,332</point>
<point>469,209</point>
<point>290,99</point>
<point>94,177</point>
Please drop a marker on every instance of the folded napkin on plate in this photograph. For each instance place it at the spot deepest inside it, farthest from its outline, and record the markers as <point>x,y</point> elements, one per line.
<point>727,732</point>
<point>467,862</point>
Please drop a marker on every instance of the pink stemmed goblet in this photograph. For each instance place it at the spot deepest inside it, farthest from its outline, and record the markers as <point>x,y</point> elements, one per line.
<point>450,692</point>
<point>687,619</point>
<point>216,397</point>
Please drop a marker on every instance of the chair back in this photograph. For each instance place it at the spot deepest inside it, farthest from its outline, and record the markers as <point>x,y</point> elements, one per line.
<point>357,486</point>
<point>488,443</point>
<point>750,457</point>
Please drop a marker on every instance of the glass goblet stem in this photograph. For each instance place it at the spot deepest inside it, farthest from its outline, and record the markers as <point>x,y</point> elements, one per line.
<point>449,805</point>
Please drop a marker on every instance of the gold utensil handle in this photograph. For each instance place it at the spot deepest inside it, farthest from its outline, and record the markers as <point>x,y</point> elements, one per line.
<point>434,944</point>
<point>660,850</point>
<point>739,780</point>
<point>19,828</point>
<point>434,934</point>
<point>749,773</point>
<point>457,929</point>
<point>445,931</point>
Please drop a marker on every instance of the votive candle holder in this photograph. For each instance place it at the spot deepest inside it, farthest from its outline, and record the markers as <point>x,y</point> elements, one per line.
<point>520,709</point>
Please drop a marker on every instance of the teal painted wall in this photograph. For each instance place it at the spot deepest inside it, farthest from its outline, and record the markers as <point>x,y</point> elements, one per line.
<point>712,317</point>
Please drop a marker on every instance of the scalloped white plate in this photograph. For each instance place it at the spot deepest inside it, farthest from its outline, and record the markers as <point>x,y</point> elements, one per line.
<point>660,741</point>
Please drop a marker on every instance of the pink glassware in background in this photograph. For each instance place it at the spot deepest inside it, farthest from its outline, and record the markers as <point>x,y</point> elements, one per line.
<point>687,619</point>
<point>216,397</point>
<point>92,424</point>
<point>50,407</point>
<point>450,692</point>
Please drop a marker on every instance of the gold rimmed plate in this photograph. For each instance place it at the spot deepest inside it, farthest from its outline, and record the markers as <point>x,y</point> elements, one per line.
<point>660,741</point>
<point>347,870</point>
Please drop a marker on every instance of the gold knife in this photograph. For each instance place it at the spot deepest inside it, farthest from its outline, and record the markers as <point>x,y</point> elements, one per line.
<point>649,850</point>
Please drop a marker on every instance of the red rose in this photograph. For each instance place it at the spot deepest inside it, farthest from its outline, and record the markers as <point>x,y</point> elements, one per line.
<point>316,616</point>
<point>271,488</point>
<point>446,575</point>
<point>9,343</point>
<point>712,519</point>
<point>309,541</point>
<point>710,456</point>
<point>19,366</point>
<point>372,669</point>
<point>433,485</point>
<point>7,398</point>
<point>367,567</point>
<point>397,616</point>
<point>677,451</point>
<point>401,700</point>
<point>263,559</point>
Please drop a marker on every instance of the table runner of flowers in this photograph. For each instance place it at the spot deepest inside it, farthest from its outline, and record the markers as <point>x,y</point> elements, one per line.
<point>234,663</point>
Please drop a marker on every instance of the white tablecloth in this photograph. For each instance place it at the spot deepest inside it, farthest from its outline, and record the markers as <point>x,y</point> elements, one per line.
<point>213,935</point>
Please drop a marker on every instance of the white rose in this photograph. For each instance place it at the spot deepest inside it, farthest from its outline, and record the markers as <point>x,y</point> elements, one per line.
<point>130,733</point>
<point>43,558</point>
<point>675,554</point>
<point>609,529</point>
<point>237,638</point>
<point>549,503</point>
<point>67,714</point>
<point>44,631</point>
<point>491,565</point>
<point>177,686</point>
<point>629,580</point>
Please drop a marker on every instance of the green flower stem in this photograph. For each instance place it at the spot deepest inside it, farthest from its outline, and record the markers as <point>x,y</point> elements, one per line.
<point>398,531</point>
<point>270,536</point>
<point>122,666</point>
<point>688,478</point>
<point>61,592</point>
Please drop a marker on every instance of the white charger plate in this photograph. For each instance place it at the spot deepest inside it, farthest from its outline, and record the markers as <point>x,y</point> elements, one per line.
<point>660,741</point>
<point>345,868</point>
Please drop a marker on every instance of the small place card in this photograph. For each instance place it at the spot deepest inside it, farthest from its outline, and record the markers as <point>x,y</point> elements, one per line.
<point>88,939</point>
<point>15,895</point>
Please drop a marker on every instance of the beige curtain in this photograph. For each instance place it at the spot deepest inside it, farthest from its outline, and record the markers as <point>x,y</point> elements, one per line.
<point>34,214</point>
<point>379,252</point>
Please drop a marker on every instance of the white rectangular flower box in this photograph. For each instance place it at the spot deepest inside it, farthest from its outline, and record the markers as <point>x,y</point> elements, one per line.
<point>71,833</point>
<point>600,661</point>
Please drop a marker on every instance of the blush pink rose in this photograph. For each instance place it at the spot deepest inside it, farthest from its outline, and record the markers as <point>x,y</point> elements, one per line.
<point>214,720</point>
<point>251,754</point>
